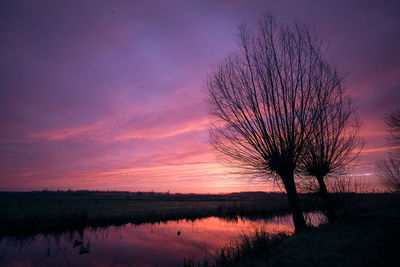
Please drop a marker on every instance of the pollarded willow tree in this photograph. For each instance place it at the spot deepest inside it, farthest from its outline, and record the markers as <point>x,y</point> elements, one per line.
<point>264,101</point>
<point>335,142</point>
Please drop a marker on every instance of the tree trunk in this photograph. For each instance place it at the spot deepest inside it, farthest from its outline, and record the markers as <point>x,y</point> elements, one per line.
<point>330,213</point>
<point>294,203</point>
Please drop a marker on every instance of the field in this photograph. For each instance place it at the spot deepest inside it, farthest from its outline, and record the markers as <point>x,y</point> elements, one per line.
<point>367,221</point>
<point>56,212</point>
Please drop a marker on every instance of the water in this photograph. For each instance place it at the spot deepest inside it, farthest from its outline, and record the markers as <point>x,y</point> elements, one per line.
<point>163,244</point>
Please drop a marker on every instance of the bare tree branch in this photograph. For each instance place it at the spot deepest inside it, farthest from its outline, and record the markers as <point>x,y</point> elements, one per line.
<point>393,125</point>
<point>389,170</point>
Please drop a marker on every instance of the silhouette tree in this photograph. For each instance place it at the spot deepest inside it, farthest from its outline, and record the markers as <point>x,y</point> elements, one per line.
<point>264,102</point>
<point>393,126</point>
<point>334,142</point>
<point>389,169</point>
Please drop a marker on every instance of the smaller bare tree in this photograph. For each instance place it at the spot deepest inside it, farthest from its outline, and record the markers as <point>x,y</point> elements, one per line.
<point>389,170</point>
<point>335,141</point>
<point>393,126</point>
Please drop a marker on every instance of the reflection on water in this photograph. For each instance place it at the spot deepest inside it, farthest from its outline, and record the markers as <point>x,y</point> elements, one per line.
<point>163,244</point>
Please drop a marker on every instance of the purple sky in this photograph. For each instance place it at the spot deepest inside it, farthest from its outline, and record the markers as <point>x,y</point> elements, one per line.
<point>107,95</point>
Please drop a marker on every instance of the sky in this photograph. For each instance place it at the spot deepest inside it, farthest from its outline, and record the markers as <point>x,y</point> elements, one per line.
<point>109,95</point>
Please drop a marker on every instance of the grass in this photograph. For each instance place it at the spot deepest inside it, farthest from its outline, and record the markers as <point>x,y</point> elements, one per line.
<point>369,237</point>
<point>368,233</point>
<point>25,214</point>
<point>256,246</point>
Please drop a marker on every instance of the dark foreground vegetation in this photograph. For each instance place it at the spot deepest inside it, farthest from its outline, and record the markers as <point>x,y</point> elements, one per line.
<point>368,237</point>
<point>47,212</point>
<point>366,233</point>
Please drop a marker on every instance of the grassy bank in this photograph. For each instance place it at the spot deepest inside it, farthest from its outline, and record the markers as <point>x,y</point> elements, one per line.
<point>370,237</point>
